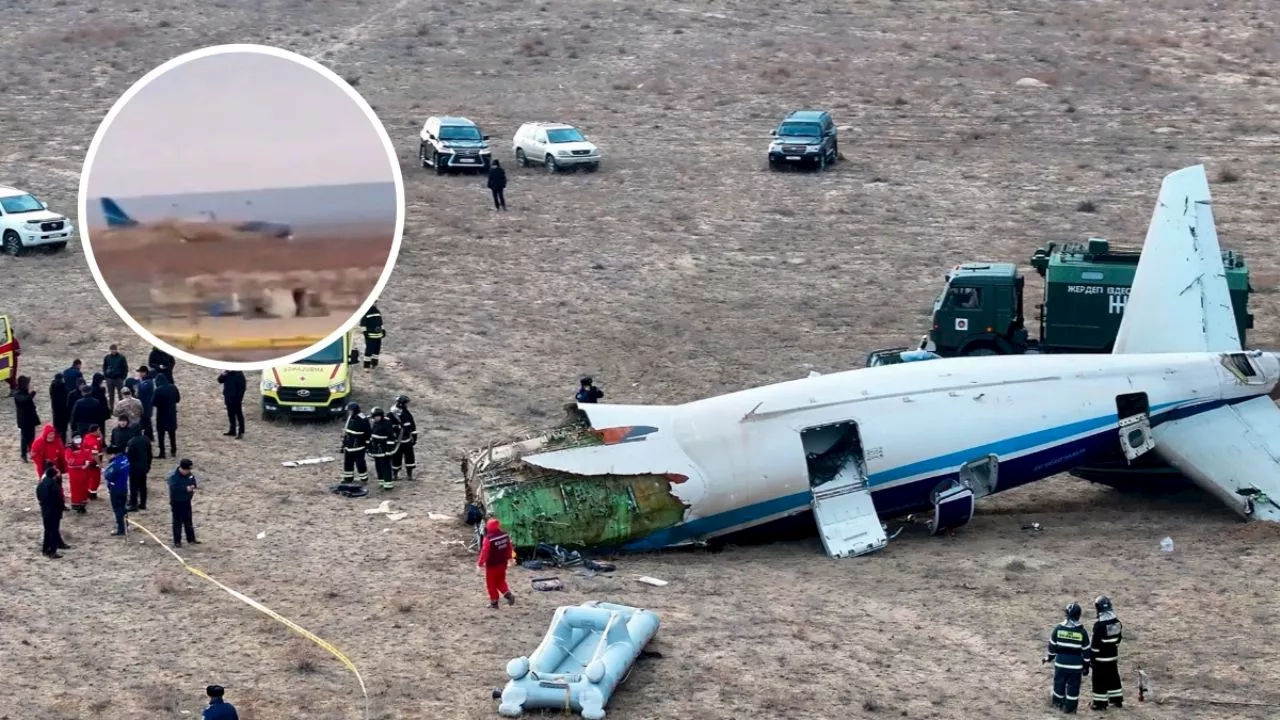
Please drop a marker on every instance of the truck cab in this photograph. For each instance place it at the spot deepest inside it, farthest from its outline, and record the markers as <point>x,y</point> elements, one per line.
<point>1086,288</point>
<point>319,385</point>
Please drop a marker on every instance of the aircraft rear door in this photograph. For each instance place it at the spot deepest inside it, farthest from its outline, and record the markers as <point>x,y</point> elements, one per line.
<point>842,507</point>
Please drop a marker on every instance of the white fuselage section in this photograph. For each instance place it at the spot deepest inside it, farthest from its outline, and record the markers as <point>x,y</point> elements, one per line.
<point>919,422</point>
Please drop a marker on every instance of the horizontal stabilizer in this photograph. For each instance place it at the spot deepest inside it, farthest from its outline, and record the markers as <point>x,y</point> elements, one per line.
<point>1232,452</point>
<point>1179,301</point>
<point>603,417</point>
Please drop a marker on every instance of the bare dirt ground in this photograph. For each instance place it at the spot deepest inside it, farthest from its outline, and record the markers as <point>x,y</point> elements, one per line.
<point>682,269</point>
<point>180,260</point>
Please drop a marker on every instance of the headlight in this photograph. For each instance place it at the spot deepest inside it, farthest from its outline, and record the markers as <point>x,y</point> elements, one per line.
<point>338,387</point>
<point>269,385</point>
<point>813,148</point>
<point>775,146</point>
<point>563,153</point>
<point>485,151</point>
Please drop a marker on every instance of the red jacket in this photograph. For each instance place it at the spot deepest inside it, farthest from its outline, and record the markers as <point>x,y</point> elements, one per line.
<point>48,446</point>
<point>78,462</point>
<point>496,550</point>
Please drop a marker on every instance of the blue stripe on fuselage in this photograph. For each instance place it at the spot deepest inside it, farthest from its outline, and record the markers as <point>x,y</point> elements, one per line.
<point>914,496</point>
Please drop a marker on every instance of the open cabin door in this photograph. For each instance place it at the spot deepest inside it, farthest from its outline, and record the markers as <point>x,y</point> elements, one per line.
<point>1133,410</point>
<point>842,506</point>
<point>8,358</point>
<point>955,500</point>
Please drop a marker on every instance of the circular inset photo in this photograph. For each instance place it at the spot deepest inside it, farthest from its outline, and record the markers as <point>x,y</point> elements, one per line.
<point>241,207</point>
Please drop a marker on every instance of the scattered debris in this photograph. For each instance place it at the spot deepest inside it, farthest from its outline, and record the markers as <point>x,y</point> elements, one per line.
<point>1143,687</point>
<point>351,490</point>
<point>650,580</point>
<point>1031,83</point>
<point>531,564</point>
<point>397,516</point>
<point>308,461</point>
<point>453,542</point>
<point>547,584</point>
<point>1033,526</point>
<point>1167,544</point>
<point>439,516</point>
<point>557,555</point>
<point>383,507</point>
<point>599,566</point>
<point>262,534</point>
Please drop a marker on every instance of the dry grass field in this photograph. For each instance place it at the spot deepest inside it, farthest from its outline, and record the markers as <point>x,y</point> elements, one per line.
<point>682,269</point>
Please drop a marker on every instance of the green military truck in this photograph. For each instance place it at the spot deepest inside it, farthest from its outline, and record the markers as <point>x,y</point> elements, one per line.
<point>980,310</point>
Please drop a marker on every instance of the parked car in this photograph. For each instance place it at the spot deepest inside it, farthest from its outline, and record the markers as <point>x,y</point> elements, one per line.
<point>555,146</point>
<point>804,138</point>
<point>26,223</point>
<point>453,143</point>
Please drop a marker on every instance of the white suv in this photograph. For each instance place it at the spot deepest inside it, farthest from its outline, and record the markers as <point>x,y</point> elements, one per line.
<point>452,143</point>
<point>27,224</point>
<point>554,146</point>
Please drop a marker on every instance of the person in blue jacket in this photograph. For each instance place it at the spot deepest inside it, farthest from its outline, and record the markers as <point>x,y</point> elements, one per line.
<point>117,477</point>
<point>218,709</point>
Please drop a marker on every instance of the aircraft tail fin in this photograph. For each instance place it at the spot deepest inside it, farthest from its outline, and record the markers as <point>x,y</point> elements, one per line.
<point>115,215</point>
<point>1179,301</point>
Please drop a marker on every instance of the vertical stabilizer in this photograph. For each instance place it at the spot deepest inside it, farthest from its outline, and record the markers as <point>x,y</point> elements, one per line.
<point>115,215</point>
<point>1180,301</point>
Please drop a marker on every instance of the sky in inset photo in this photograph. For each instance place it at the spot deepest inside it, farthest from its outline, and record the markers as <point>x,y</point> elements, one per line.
<point>237,121</point>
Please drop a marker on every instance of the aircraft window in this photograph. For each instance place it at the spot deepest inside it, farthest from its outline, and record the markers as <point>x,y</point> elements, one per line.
<point>1239,363</point>
<point>965,298</point>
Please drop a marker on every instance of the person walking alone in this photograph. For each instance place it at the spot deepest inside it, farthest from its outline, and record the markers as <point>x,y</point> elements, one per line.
<point>498,185</point>
<point>496,553</point>
<point>117,476</point>
<point>115,368</point>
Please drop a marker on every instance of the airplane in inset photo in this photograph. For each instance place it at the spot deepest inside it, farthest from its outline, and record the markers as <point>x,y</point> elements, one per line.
<point>207,228</point>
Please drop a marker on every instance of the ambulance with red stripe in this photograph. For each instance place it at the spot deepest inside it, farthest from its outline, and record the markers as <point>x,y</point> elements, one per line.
<point>8,352</point>
<point>316,386</point>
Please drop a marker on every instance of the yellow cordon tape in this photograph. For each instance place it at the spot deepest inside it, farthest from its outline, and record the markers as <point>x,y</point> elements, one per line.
<point>266,611</point>
<point>206,342</point>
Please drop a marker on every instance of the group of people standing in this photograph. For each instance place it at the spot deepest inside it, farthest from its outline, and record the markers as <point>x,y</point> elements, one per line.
<point>83,446</point>
<point>1074,652</point>
<point>388,438</point>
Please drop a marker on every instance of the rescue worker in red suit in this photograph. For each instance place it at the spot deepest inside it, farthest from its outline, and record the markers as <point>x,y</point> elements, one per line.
<point>79,460</point>
<point>93,442</point>
<point>48,446</point>
<point>496,552</point>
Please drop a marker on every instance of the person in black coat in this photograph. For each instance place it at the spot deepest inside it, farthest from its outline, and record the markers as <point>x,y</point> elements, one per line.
<point>58,403</point>
<point>52,505</point>
<point>161,363</point>
<point>115,367</point>
<point>138,450</point>
<point>85,412</point>
<point>24,401</point>
<point>233,389</point>
<point>166,402</point>
<point>146,393</point>
<point>99,389</point>
<point>497,185</point>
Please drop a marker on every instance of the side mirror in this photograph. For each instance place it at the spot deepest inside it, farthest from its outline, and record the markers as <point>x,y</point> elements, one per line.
<point>773,133</point>
<point>44,205</point>
<point>484,137</point>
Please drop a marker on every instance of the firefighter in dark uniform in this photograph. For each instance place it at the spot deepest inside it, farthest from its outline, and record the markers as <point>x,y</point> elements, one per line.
<point>382,447</point>
<point>397,433</point>
<point>1069,651</point>
<point>1105,656</point>
<point>355,442</point>
<point>588,392</point>
<point>371,326</point>
<point>405,457</point>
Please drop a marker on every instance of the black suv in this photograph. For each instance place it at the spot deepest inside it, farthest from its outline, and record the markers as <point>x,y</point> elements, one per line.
<point>805,137</point>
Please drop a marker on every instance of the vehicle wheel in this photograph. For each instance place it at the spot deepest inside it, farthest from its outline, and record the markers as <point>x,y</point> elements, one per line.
<point>550,164</point>
<point>592,167</point>
<point>980,351</point>
<point>56,248</point>
<point>435,162</point>
<point>773,165</point>
<point>12,243</point>
<point>835,151</point>
<point>521,160</point>
<point>822,162</point>
<point>422,155</point>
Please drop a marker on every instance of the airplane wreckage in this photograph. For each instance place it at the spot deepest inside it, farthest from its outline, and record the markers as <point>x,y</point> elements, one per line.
<point>859,446</point>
